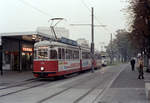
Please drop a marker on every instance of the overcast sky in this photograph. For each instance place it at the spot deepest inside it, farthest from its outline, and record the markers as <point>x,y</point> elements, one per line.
<point>27,15</point>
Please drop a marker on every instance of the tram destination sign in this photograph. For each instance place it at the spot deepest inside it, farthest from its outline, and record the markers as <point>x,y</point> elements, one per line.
<point>68,41</point>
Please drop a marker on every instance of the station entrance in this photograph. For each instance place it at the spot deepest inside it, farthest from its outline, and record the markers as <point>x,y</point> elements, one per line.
<point>27,58</point>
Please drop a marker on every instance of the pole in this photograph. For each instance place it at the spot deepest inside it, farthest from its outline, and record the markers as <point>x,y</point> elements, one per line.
<point>111,49</point>
<point>20,56</point>
<point>92,43</point>
<point>1,59</point>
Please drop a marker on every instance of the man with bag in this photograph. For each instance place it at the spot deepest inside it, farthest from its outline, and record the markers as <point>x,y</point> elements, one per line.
<point>140,68</point>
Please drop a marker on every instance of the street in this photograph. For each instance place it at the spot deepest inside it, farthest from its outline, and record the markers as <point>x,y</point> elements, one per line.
<point>111,84</point>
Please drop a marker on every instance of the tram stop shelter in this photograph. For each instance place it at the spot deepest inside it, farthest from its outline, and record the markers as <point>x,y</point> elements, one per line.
<point>17,48</point>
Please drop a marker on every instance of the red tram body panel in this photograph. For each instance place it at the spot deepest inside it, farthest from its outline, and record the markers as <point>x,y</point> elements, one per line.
<point>50,66</point>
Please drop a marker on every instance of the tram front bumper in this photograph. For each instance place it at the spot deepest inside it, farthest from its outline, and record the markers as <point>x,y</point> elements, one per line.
<point>44,74</point>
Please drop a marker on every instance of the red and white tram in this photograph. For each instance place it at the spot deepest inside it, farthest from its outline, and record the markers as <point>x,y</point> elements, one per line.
<point>56,59</point>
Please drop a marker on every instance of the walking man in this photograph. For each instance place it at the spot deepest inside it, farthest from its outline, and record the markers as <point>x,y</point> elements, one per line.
<point>132,62</point>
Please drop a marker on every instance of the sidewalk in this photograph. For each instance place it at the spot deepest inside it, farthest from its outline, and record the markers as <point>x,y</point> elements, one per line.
<point>126,89</point>
<point>10,77</point>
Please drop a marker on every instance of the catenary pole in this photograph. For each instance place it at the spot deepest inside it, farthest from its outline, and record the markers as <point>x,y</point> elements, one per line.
<point>92,43</point>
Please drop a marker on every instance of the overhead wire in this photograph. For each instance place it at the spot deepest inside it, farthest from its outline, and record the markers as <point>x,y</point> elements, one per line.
<point>95,16</point>
<point>35,8</point>
<point>47,14</point>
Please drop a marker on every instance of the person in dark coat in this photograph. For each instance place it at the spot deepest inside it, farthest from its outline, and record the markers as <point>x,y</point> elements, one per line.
<point>132,62</point>
<point>1,69</point>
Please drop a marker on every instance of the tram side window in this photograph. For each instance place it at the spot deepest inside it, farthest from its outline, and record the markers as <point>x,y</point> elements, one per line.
<point>59,53</point>
<point>88,55</point>
<point>68,54</point>
<point>63,53</point>
<point>53,54</point>
<point>83,55</point>
<point>76,55</point>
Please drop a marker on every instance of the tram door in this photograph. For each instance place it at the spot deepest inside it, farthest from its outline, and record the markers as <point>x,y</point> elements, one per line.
<point>27,61</point>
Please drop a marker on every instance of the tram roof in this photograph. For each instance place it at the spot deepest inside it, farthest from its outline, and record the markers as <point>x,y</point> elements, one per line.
<point>48,43</point>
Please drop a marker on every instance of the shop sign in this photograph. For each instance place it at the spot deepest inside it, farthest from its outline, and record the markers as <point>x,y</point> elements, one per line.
<point>27,49</point>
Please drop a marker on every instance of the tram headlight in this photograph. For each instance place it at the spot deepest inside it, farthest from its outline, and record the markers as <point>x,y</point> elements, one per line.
<point>42,68</point>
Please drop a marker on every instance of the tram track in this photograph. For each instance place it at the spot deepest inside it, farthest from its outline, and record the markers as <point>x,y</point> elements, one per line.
<point>96,86</point>
<point>92,89</point>
<point>23,84</point>
<point>89,91</point>
<point>64,90</point>
<point>10,93</point>
<point>19,84</point>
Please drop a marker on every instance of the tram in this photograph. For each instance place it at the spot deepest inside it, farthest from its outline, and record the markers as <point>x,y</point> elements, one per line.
<point>53,58</point>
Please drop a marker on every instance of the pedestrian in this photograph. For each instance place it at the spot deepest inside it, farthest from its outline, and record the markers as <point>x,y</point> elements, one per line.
<point>132,62</point>
<point>140,68</point>
<point>1,68</point>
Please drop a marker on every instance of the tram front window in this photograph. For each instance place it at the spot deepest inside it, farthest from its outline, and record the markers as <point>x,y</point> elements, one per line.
<point>42,54</point>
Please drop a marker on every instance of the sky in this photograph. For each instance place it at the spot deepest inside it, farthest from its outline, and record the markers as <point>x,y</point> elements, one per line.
<point>27,15</point>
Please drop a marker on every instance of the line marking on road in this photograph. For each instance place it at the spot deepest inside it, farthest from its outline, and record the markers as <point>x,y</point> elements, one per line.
<point>99,97</point>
